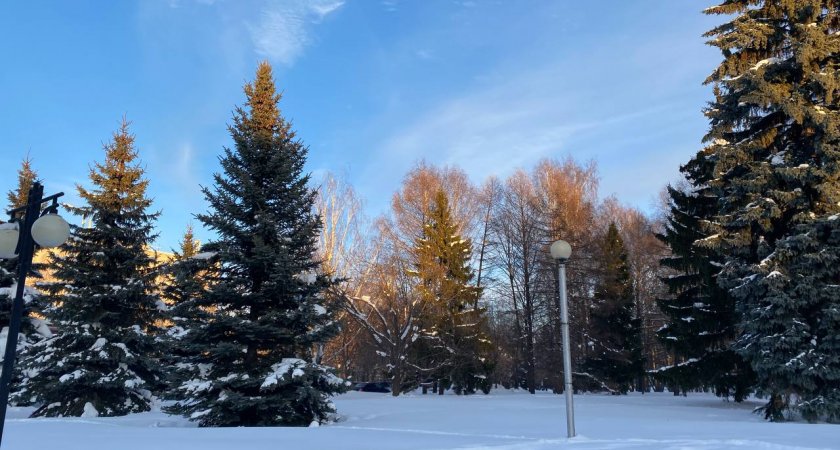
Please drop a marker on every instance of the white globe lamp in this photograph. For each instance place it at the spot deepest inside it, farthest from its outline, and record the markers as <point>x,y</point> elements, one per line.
<point>50,230</point>
<point>9,235</point>
<point>561,250</point>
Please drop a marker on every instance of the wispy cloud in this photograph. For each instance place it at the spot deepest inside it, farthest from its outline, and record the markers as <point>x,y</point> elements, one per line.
<point>283,28</point>
<point>515,121</point>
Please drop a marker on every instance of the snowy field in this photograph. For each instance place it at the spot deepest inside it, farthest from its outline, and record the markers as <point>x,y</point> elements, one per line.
<point>502,420</point>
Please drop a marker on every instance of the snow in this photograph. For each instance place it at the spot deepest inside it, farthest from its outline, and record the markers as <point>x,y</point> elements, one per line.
<point>282,368</point>
<point>778,159</point>
<point>71,376</point>
<point>765,62</point>
<point>308,277</point>
<point>90,410</point>
<point>204,255</point>
<point>99,343</point>
<point>503,420</point>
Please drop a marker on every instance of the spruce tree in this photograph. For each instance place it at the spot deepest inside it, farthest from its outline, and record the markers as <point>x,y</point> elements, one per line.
<point>26,177</point>
<point>102,301</point>
<point>181,276</point>
<point>455,324</point>
<point>184,280</point>
<point>777,175</point>
<point>9,268</point>
<point>701,315</point>
<point>252,332</point>
<point>615,346</point>
<point>33,328</point>
<point>189,245</point>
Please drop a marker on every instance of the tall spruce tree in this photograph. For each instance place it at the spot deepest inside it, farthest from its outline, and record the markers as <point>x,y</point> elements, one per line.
<point>253,330</point>
<point>701,315</point>
<point>454,321</point>
<point>8,268</point>
<point>102,301</point>
<point>777,174</point>
<point>615,340</point>
<point>33,328</point>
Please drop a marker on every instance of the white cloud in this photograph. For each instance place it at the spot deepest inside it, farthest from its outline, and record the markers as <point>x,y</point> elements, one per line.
<point>514,121</point>
<point>283,29</point>
<point>494,130</point>
<point>323,9</point>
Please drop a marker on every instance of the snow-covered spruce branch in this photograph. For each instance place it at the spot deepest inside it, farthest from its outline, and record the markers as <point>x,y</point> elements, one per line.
<point>592,377</point>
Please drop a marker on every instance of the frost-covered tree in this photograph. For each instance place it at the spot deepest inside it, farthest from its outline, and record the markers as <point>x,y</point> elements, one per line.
<point>251,333</point>
<point>102,300</point>
<point>800,281</point>
<point>774,122</point>
<point>614,356</point>
<point>453,321</point>
<point>701,315</point>
<point>389,311</point>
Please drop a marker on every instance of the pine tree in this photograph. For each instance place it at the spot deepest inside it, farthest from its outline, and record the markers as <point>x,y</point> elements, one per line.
<point>256,325</point>
<point>183,278</point>
<point>701,315</point>
<point>103,300</point>
<point>802,281</point>
<point>26,177</point>
<point>454,322</point>
<point>615,353</point>
<point>33,328</point>
<point>189,245</point>
<point>9,268</point>
<point>774,121</point>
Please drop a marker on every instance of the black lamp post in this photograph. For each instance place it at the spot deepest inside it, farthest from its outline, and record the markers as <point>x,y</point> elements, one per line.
<point>28,226</point>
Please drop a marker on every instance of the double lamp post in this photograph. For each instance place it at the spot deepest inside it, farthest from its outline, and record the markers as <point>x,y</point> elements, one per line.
<point>29,225</point>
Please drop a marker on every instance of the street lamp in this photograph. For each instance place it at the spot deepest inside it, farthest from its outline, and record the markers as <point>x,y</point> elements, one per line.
<point>29,225</point>
<point>561,251</point>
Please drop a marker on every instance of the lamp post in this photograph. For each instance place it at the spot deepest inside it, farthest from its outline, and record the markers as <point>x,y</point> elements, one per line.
<point>17,239</point>
<point>561,251</point>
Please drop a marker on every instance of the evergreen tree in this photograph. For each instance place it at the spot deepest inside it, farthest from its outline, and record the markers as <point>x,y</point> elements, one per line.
<point>615,353</point>
<point>701,315</point>
<point>189,245</point>
<point>26,177</point>
<point>801,279</point>
<point>33,329</point>
<point>102,301</point>
<point>774,121</point>
<point>454,321</point>
<point>182,276</point>
<point>184,280</point>
<point>9,268</point>
<point>254,328</point>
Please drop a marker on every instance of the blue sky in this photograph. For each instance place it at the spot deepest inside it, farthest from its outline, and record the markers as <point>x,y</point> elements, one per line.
<point>371,86</point>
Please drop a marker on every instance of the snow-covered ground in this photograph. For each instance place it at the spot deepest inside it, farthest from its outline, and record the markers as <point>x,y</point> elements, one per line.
<point>502,420</point>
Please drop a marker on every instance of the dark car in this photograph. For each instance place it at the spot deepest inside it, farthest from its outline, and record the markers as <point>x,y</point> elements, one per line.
<point>378,386</point>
